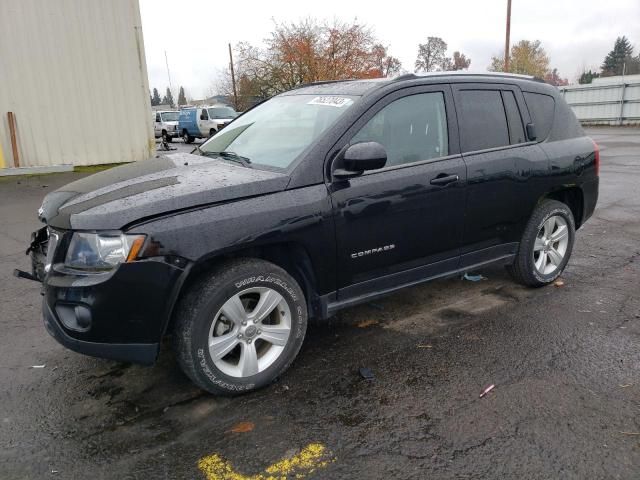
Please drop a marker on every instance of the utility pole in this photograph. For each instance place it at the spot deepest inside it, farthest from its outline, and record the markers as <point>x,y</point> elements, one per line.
<point>168,73</point>
<point>233,80</point>
<point>507,38</point>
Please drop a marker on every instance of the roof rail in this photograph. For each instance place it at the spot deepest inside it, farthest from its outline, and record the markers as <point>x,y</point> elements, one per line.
<point>462,73</point>
<point>321,82</point>
<point>405,76</point>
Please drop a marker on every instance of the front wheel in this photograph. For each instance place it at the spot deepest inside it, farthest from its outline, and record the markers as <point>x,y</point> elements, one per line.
<point>166,137</point>
<point>240,327</point>
<point>546,245</point>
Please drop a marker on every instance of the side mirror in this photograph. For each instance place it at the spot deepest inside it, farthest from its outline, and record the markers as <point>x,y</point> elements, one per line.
<point>531,131</point>
<point>202,117</point>
<point>360,157</point>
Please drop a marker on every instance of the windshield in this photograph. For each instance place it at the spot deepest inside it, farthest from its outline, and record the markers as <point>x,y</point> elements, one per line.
<point>222,112</point>
<point>277,131</point>
<point>170,116</point>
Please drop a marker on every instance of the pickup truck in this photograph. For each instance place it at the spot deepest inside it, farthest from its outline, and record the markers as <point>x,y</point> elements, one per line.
<point>323,197</point>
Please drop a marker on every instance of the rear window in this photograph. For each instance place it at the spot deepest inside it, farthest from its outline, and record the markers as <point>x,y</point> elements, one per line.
<point>541,108</point>
<point>483,123</point>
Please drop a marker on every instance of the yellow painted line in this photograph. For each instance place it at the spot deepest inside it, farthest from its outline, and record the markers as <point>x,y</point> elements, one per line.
<point>311,458</point>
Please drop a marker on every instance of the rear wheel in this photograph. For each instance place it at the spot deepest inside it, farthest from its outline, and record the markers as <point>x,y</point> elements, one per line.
<point>212,132</point>
<point>240,327</point>
<point>186,138</point>
<point>546,245</point>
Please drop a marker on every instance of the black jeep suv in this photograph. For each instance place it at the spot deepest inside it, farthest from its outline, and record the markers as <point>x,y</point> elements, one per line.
<point>320,198</point>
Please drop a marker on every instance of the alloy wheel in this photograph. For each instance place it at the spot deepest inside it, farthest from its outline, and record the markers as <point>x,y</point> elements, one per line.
<point>551,244</point>
<point>249,332</point>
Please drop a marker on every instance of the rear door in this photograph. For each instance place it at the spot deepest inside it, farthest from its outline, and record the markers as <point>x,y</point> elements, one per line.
<point>392,222</point>
<point>504,169</point>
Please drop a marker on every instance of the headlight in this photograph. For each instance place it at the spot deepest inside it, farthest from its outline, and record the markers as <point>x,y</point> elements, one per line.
<point>102,251</point>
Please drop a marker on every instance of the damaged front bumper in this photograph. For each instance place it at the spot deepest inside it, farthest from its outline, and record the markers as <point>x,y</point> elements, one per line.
<point>121,314</point>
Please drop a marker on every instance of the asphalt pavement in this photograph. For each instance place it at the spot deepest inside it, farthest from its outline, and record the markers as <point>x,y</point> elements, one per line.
<point>565,362</point>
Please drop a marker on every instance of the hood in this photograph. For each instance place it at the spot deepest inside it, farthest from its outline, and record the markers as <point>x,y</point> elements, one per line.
<point>122,195</point>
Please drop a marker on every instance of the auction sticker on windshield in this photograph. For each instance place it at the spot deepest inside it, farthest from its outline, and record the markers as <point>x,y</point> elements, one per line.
<point>331,101</point>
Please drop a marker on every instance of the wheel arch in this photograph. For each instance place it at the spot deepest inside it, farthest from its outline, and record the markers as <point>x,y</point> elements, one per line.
<point>292,257</point>
<point>572,197</point>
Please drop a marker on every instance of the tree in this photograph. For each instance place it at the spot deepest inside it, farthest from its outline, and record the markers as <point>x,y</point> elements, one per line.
<point>182,99</point>
<point>155,99</point>
<point>526,58</point>
<point>460,61</point>
<point>385,65</point>
<point>168,98</point>
<point>431,55</point>
<point>587,76</point>
<point>554,78</point>
<point>622,53</point>
<point>304,52</point>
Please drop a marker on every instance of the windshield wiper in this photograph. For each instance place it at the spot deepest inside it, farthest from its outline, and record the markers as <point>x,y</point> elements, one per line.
<point>233,156</point>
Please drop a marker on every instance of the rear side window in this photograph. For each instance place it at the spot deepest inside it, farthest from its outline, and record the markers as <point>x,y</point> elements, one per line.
<point>516,130</point>
<point>411,129</point>
<point>483,123</point>
<point>541,108</point>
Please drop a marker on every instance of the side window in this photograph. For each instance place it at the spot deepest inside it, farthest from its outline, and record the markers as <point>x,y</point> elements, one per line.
<point>411,129</point>
<point>204,115</point>
<point>483,123</point>
<point>516,130</point>
<point>541,108</point>
<point>157,117</point>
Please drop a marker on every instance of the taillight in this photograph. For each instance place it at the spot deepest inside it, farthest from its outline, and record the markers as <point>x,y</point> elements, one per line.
<point>596,149</point>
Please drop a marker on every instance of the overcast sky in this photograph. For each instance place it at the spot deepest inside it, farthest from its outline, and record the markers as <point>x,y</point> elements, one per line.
<point>195,33</point>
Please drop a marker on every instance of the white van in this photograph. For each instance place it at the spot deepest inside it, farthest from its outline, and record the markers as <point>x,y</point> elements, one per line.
<point>204,122</point>
<point>166,124</point>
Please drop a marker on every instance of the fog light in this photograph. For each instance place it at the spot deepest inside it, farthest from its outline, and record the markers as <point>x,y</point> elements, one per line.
<point>74,317</point>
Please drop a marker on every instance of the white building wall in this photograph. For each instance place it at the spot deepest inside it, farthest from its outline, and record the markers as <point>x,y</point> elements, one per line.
<point>74,73</point>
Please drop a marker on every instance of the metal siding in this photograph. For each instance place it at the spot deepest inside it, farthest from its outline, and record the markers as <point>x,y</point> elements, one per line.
<point>74,73</point>
<point>604,103</point>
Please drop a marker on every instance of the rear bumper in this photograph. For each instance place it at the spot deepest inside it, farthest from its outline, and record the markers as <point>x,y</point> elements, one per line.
<point>590,196</point>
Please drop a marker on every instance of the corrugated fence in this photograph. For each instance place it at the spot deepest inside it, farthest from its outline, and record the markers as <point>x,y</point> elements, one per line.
<point>614,101</point>
<point>74,73</point>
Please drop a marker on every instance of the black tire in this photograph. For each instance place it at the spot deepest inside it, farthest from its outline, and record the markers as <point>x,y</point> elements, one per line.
<point>212,132</point>
<point>524,270</point>
<point>186,138</point>
<point>199,308</point>
<point>166,137</point>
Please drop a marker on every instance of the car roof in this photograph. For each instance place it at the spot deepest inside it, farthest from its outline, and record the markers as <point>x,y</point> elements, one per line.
<point>361,87</point>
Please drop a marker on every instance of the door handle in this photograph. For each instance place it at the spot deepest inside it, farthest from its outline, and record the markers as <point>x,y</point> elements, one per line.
<point>444,179</point>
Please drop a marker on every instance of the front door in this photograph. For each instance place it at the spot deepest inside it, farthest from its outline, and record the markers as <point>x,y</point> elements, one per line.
<point>404,222</point>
